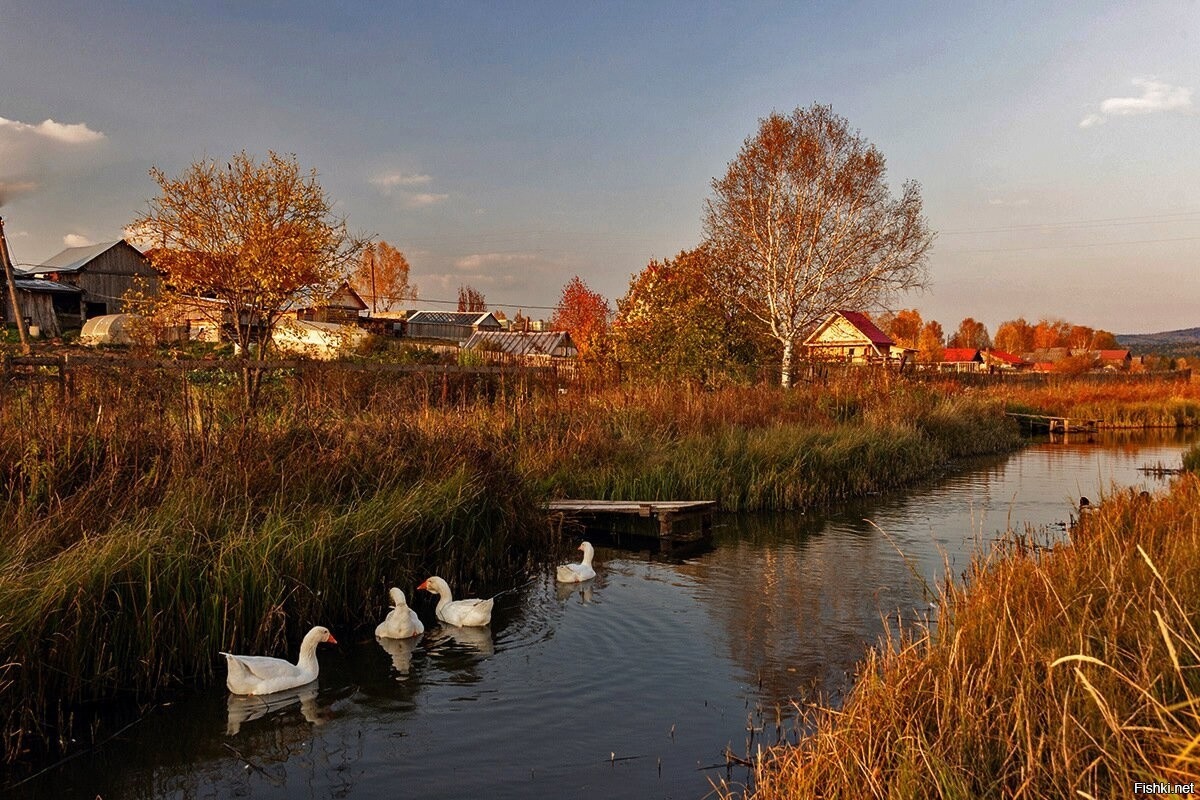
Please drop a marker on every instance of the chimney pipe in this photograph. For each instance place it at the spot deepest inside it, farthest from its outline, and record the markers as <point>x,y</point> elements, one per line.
<point>12,290</point>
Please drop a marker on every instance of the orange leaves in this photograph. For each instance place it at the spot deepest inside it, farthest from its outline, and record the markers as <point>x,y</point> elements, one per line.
<point>583,313</point>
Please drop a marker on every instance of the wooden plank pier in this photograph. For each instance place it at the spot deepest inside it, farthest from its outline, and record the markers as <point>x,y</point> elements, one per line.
<point>1051,424</point>
<point>678,520</point>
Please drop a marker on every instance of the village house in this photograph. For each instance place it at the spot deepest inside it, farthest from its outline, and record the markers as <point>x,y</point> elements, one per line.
<point>1000,361</point>
<point>961,359</point>
<point>81,282</point>
<point>343,306</point>
<point>851,336</point>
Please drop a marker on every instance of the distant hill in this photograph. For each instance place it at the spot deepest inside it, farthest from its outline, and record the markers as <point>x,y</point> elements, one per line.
<point>1185,342</point>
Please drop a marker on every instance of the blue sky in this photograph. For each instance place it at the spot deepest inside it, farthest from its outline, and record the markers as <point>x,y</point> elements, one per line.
<point>513,145</point>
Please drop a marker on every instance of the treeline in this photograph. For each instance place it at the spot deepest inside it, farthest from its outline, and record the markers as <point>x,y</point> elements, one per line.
<point>1016,336</point>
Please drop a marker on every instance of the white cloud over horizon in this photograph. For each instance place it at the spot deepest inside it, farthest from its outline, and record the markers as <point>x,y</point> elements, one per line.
<point>424,199</point>
<point>391,180</point>
<point>1156,97</point>
<point>69,133</point>
<point>76,240</point>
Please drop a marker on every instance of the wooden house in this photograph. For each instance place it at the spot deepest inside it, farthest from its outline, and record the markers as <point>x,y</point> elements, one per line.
<point>102,273</point>
<point>451,326</point>
<point>343,307</point>
<point>961,359</point>
<point>1000,361</point>
<point>852,336</point>
<point>1114,359</point>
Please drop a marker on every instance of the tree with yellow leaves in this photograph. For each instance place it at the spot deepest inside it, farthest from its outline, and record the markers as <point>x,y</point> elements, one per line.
<point>243,241</point>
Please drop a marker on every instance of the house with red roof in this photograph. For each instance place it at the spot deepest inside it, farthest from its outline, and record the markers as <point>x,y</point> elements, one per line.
<point>999,360</point>
<point>961,359</point>
<point>852,336</point>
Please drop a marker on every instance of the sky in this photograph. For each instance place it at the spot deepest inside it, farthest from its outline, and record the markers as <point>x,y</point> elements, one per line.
<point>511,146</point>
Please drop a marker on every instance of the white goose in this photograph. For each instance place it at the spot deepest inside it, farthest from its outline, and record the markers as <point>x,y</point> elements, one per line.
<point>577,573</point>
<point>463,613</point>
<point>264,675</point>
<point>401,622</point>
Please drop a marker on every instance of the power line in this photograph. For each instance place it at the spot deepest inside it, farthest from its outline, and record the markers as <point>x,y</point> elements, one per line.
<point>1071,246</point>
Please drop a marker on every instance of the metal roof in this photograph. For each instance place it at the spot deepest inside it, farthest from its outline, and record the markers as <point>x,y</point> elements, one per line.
<point>959,354</point>
<point>42,285</point>
<point>867,328</point>
<point>450,317</point>
<point>74,258</point>
<point>517,343</point>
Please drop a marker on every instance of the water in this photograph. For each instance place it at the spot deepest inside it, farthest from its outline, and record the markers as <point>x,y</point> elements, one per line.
<point>630,687</point>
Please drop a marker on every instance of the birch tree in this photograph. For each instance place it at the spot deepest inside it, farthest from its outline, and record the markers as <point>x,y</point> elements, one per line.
<point>804,223</point>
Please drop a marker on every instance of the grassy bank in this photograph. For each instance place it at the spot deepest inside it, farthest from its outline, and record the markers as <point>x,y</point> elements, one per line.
<point>1147,405</point>
<point>148,523</point>
<point>1063,673</point>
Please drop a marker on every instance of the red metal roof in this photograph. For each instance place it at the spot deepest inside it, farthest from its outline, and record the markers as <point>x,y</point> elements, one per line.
<point>1114,355</point>
<point>867,328</point>
<point>1008,358</point>
<point>960,354</point>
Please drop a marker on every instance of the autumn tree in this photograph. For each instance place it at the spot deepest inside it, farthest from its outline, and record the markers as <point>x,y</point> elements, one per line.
<point>1050,333</point>
<point>1103,340</point>
<point>584,314</point>
<point>931,342</point>
<point>971,334</point>
<point>380,277</point>
<point>471,299</point>
<point>904,327</point>
<point>249,238</point>
<point>1014,336</point>
<point>803,223</point>
<point>673,323</point>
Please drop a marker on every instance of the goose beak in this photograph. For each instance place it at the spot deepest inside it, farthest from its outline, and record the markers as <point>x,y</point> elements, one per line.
<point>424,585</point>
<point>331,640</point>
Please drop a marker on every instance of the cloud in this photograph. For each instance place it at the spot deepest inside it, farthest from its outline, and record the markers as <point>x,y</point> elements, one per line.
<point>1008,203</point>
<point>70,133</point>
<point>390,180</point>
<point>1156,97</point>
<point>477,261</point>
<point>424,199</point>
<point>76,240</point>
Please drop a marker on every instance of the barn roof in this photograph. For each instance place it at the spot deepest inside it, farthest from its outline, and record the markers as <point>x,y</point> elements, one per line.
<point>42,285</point>
<point>1007,358</point>
<point>74,259</point>
<point>1114,355</point>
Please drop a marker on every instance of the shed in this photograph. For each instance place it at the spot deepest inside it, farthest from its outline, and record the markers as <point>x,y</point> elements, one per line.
<point>452,326</point>
<point>43,302</point>
<point>343,305</point>
<point>102,272</point>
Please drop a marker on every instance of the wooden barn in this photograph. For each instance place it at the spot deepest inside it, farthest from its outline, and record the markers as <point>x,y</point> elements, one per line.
<point>343,306</point>
<point>852,336</point>
<point>102,273</point>
<point>46,304</point>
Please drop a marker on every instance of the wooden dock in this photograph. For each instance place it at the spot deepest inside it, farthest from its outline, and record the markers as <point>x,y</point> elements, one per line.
<point>678,520</point>
<point>1050,424</point>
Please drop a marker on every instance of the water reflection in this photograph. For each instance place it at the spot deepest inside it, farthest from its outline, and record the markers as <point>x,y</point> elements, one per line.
<point>242,708</point>
<point>401,651</point>
<point>565,591</point>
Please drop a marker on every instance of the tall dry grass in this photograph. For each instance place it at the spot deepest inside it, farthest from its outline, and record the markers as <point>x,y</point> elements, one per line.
<point>1071,672</point>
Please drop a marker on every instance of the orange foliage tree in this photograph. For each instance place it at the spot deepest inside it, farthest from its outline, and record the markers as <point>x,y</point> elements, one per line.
<point>1014,336</point>
<point>250,238</point>
<point>971,334</point>
<point>904,327</point>
<point>380,277</point>
<point>931,342</point>
<point>584,314</point>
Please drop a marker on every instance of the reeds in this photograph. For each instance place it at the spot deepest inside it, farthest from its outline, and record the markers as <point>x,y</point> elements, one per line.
<point>1069,672</point>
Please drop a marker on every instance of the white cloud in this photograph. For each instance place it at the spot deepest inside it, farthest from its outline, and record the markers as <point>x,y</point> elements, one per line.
<point>424,199</point>
<point>1156,97</point>
<point>477,261</point>
<point>390,180</point>
<point>76,240</point>
<point>70,133</point>
<point>1003,202</point>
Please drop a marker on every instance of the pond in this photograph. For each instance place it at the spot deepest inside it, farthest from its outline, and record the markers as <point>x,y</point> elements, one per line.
<point>632,686</point>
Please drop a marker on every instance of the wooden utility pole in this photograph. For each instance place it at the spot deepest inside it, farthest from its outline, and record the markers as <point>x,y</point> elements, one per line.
<point>12,290</point>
